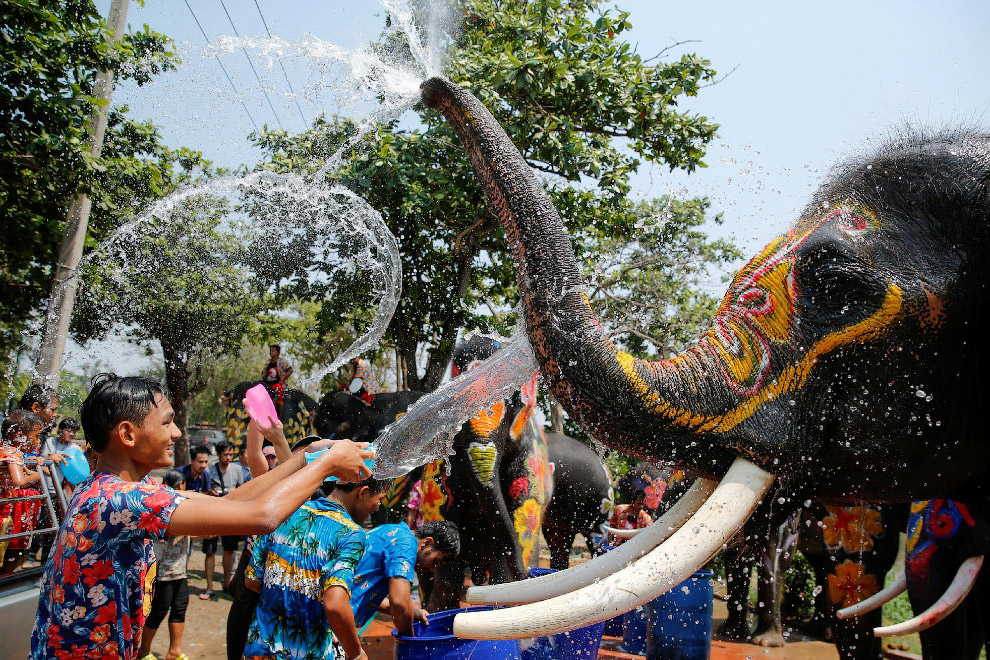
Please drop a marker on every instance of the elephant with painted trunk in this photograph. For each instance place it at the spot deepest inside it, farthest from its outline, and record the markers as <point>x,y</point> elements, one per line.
<point>843,365</point>
<point>296,415</point>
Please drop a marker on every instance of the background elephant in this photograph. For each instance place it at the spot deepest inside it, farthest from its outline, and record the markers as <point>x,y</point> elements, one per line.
<point>298,410</point>
<point>343,415</point>
<point>851,549</point>
<point>941,535</point>
<point>582,498</point>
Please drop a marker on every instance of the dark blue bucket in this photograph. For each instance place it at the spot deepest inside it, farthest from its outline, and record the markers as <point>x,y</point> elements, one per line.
<point>681,621</point>
<point>635,629</point>
<point>437,642</point>
<point>579,644</point>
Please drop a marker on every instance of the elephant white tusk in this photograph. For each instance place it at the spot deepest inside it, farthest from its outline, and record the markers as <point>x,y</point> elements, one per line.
<point>943,607</point>
<point>666,566</point>
<point>891,591</point>
<point>623,533</point>
<point>562,582</point>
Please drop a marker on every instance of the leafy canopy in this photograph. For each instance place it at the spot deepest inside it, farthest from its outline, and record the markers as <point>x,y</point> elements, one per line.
<point>583,108</point>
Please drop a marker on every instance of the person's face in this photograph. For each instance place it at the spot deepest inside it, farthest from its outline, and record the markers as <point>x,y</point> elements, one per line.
<point>46,413</point>
<point>154,441</point>
<point>225,457</point>
<point>198,464</point>
<point>428,557</point>
<point>273,352</point>
<point>67,435</point>
<point>367,503</point>
<point>272,461</point>
<point>28,441</point>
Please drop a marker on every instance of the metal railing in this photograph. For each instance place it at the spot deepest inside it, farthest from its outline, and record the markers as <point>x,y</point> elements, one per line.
<point>45,496</point>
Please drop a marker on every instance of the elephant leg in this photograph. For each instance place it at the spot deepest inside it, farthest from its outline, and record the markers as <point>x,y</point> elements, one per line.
<point>560,542</point>
<point>738,566</point>
<point>770,593</point>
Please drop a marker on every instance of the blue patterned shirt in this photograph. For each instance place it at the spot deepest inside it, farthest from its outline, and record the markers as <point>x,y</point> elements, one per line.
<point>318,547</point>
<point>389,551</point>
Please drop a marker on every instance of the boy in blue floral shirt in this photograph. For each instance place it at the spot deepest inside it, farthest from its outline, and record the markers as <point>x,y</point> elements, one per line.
<point>96,591</point>
<point>392,555</point>
<point>303,571</point>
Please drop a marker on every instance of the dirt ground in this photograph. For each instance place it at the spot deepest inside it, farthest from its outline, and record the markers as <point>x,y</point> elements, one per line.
<point>206,621</point>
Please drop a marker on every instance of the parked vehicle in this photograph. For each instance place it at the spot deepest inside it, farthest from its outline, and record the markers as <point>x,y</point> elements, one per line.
<point>203,434</point>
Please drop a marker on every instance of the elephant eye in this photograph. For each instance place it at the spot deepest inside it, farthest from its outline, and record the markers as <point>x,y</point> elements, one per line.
<point>836,290</point>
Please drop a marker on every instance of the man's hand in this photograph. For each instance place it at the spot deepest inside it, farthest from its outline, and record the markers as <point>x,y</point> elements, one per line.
<point>274,433</point>
<point>421,615</point>
<point>345,460</point>
<point>57,458</point>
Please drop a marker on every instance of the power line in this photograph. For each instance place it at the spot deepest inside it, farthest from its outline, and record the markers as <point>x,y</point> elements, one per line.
<point>237,94</point>
<point>279,58</point>
<point>256,76</point>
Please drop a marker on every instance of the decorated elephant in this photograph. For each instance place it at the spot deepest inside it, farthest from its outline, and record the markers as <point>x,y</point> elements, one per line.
<point>582,498</point>
<point>342,414</point>
<point>844,365</point>
<point>296,415</point>
<point>850,549</point>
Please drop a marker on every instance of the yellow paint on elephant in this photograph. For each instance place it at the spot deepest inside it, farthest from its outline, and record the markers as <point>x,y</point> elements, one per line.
<point>486,422</point>
<point>483,459</point>
<point>395,491</point>
<point>790,379</point>
<point>433,495</point>
<point>526,521</point>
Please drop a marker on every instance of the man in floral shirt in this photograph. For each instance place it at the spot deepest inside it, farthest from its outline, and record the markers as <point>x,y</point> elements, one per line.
<point>392,555</point>
<point>303,571</point>
<point>96,591</point>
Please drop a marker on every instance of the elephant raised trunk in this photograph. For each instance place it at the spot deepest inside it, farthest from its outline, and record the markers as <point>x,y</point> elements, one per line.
<point>667,400</point>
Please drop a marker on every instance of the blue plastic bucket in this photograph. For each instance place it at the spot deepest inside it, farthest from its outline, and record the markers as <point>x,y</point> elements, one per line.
<point>579,644</point>
<point>76,467</point>
<point>681,621</point>
<point>437,642</point>
<point>635,629</point>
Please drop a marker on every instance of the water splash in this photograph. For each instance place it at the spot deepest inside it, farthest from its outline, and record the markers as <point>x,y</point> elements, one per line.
<point>426,432</point>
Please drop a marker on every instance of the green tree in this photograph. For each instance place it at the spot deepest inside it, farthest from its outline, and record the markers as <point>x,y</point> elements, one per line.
<point>582,106</point>
<point>179,279</point>
<point>51,53</point>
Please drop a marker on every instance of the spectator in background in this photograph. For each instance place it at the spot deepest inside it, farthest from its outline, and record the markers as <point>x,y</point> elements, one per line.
<point>275,375</point>
<point>55,449</point>
<point>195,475</point>
<point>171,587</point>
<point>43,402</point>
<point>19,433</point>
<point>242,461</point>
<point>271,457</point>
<point>363,383</point>
<point>225,476</point>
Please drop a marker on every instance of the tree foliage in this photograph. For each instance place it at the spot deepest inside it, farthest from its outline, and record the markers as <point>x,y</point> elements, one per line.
<point>48,63</point>
<point>584,109</point>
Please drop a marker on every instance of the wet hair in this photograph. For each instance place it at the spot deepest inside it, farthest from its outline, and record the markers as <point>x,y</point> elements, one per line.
<point>446,538</point>
<point>196,450</point>
<point>115,399</point>
<point>173,478</point>
<point>278,349</point>
<point>68,423</point>
<point>19,422</point>
<point>374,485</point>
<point>221,447</point>
<point>39,394</point>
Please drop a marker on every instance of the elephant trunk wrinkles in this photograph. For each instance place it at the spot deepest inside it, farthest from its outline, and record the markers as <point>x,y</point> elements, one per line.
<point>574,354</point>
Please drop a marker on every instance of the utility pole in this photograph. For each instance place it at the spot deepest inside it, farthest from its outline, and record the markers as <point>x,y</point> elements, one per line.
<point>63,294</point>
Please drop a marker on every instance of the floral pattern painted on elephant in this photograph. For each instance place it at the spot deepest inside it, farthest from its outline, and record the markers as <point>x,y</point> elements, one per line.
<point>295,428</point>
<point>851,583</point>
<point>435,491</point>
<point>851,528</point>
<point>526,520</point>
<point>531,492</point>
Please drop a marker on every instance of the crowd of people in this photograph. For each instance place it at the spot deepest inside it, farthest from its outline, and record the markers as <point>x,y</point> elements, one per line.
<point>310,574</point>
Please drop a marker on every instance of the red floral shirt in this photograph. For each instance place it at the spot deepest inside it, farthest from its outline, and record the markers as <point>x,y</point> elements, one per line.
<point>96,591</point>
<point>620,520</point>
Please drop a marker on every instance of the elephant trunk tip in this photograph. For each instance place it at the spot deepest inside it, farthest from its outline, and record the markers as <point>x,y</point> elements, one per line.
<point>434,90</point>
